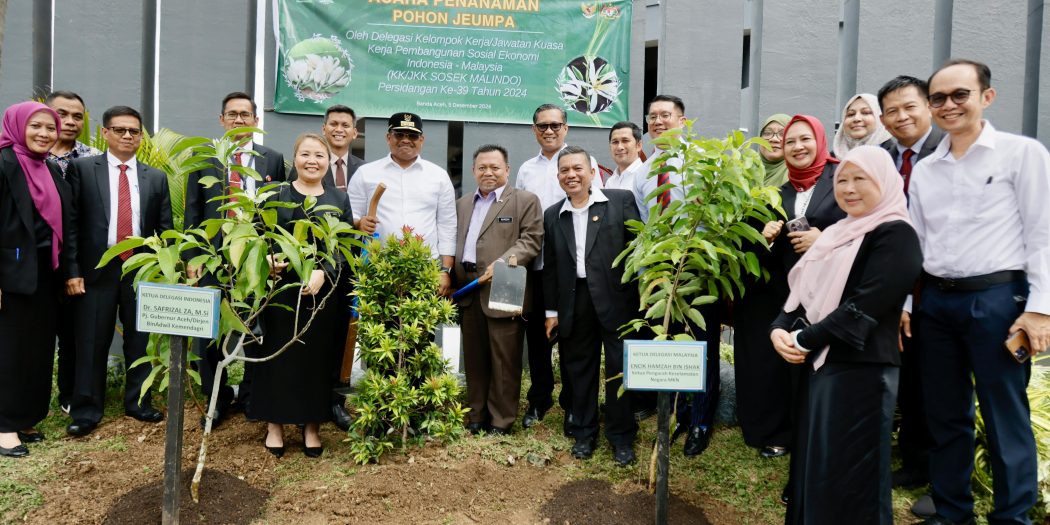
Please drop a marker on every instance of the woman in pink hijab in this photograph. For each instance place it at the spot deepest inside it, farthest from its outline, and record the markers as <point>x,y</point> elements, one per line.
<point>840,323</point>
<point>34,222</point>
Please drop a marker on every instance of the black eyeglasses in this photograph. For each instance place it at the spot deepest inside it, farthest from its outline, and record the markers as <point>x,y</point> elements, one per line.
<point>410,135</point>
<point>553,126</point>
<point>959,96</point>
<point>768,134</point>
<point>244,115</point>
<point>134,132</point>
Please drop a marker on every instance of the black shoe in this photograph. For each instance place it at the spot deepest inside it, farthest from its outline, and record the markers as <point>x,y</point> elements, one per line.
<point>584,448</point>
<point>497,431</point>
<point>278,452</point>
<point>905,478</point>
<point>81,427</point>
<point>697,441</point>
<point>679,429</point>
<point>311,452</point>
<point>533,415</point>
<point>340,417</point>
<point>30,437</point>
<point>475,428</point>
<point>18,451</point>
<point>938,520</point>
<point>784,495</point>
<point>623,455</point>
<point>220,416</point>
<point>771,451</point>
<point>565,431</point>
<point>925,508</point>
<point>146,415</point>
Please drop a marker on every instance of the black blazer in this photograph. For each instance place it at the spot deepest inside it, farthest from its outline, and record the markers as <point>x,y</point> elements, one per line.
<point>927,147</point>
<point>89,179</point>
<point>18,252</point>
<point>329,178</point>
<point>269,164</point>
<point>615,303</point>
<point>863,329</point>
<point>822,212</point>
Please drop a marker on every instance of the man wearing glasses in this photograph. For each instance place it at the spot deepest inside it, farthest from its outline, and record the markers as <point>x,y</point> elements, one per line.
<point>238,111</point>
<point>419,194</point>
<point>978,205</point>
<point>116,197</point>
<point>539,176</point>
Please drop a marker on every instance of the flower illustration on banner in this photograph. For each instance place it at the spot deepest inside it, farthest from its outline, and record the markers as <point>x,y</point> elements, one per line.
<point>589,85</point>
<point>317,68</point>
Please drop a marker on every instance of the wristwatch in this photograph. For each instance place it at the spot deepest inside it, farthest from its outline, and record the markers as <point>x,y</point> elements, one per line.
<point>794,340</point>
<point>446,269</point>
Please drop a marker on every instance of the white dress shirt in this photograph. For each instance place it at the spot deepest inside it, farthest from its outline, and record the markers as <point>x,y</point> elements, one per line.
<point>580,218</point>
<point>644,184</point>
<point>114,196</point>
<point>539,175</point>
<point>625,180</point>
<point>477,220</point>
<point>420,196</point>
<point>986,211</point>
<point>248,161</point>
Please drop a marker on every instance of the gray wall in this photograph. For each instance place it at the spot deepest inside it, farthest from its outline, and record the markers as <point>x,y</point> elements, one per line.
<point>800,63</point>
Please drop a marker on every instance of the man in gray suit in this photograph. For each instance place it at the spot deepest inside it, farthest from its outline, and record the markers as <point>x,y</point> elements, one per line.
<point>115,197</point>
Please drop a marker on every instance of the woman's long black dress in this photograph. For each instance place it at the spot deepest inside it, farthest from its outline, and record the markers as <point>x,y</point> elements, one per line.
<point>840,466</point>
<point>29,290</point>
<point>296,386</point>
<point>765,382</point>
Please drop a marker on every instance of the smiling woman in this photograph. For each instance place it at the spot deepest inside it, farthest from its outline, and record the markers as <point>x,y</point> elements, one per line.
<point>860,125</point>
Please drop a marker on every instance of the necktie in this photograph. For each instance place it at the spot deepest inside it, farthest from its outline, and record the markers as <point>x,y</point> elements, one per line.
<point>340,175</point>
<point>124,227</point>
<point>665,198</point>
<point>906,167</point>
<point>235,181</point>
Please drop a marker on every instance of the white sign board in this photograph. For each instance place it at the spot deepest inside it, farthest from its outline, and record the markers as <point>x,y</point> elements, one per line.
<point>178,310</point>
<point>679,366</point>
<point>450,337</point>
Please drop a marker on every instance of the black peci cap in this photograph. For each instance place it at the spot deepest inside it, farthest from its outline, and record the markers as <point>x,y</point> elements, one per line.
<point>405,122</point>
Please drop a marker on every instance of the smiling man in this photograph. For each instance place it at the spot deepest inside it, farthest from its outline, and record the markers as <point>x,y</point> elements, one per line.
<point>978,204</point>
<point>625,146</point>
<point>419,194</point>
<point>496,222</point>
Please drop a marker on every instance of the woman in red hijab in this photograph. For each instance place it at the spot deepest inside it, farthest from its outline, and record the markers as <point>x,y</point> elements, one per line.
<point>34,227</point>
<point>765,399</point>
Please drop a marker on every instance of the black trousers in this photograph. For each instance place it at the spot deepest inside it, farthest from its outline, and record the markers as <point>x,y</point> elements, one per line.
<point>698,409</point>
<point>209,355</point>
<point>913,438</point>
<point>961,335</point>
<point>581,361</point>
<point>96,315</point>
<point>67,350</point>
<point>541,372</point>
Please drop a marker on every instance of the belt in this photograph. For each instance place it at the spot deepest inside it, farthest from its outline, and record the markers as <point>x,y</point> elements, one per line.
<point>976,283</point>
<point>470,267</point>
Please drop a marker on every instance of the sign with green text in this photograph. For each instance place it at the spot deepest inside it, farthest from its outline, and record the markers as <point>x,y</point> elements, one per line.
<point>671,366</point>
<point>177,310</point>
<point>470,60</point>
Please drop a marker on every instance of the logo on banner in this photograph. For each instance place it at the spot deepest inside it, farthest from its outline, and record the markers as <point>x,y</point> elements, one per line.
<point>317,68</point>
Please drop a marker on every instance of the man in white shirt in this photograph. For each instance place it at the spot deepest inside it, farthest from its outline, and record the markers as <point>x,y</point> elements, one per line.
<point>625,146</point>
<point>978,205</point>
<point>539,176</point>
<point>419,194</point>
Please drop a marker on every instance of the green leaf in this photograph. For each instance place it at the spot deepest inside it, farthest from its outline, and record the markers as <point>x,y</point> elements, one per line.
<point>127,244</point>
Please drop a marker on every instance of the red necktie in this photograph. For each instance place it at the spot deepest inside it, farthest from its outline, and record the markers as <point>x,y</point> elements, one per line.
<point>124,227</point>
<point>665,198</point>
<point>906,167</point>
<point>235,181</point>
<point>340,175</point>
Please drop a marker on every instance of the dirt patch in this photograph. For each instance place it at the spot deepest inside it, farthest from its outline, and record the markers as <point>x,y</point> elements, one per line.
<point>594,501</point>
<point>227,500</point>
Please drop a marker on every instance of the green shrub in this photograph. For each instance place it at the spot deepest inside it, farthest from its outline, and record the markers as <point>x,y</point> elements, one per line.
<point>406,394</point>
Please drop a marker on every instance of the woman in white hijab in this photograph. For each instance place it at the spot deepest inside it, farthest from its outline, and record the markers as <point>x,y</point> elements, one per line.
<point>860,125</point>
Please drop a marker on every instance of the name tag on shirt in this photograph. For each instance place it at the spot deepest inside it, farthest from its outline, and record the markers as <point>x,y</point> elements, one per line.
<point>504,219</point>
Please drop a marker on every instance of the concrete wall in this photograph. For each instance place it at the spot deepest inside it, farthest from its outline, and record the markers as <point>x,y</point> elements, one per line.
<point>208,49</point>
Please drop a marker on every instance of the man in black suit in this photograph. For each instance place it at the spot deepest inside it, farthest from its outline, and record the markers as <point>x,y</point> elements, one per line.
<point>340,130</point>
<point>238,110</point>
<point>115,197</point>
<point>906,115</point>
<point>587,303</point>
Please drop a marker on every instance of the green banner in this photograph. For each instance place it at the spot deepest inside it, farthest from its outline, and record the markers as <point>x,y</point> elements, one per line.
<point>470,60</point>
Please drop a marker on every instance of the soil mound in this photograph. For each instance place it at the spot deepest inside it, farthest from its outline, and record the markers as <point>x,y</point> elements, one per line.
<point>225,499</point>
<point>590,501</point>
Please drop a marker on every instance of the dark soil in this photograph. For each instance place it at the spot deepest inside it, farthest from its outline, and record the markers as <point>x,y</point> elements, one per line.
<point>590,501</point>
<point>227,501</point>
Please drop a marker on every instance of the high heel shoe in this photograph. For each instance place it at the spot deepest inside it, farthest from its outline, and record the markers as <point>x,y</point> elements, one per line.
<point>311,452</point>
<point>276,451</point>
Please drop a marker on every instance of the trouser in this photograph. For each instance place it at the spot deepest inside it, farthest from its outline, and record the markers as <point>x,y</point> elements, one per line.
<point>913,438</point>
<point>492,359</point>
<point>96,315</point>
<point>209,355</point>
<point>581,359</point>
<point>699,409</point>
<point>961,335</point>
<point>541,372</point>
<point>67,350</point>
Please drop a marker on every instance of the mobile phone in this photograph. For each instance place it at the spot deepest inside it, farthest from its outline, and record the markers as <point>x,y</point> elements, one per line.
<point>798,224</point>
<point>554,336</point>
<point>1017,344</point>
